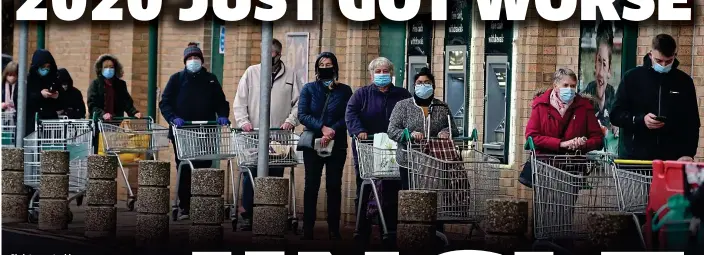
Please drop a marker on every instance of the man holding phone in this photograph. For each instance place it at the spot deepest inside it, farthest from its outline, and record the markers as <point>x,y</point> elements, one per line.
<point>656,108</point>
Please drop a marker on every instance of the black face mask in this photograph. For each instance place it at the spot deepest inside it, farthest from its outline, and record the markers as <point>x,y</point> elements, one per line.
<point>326,73</point>
<point>275,60</point>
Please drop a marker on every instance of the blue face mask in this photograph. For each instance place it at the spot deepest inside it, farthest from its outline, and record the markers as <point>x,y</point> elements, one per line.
<point>327,83</point>
<point>108,73</point>
<point>661,69</point>
<point>567,95</point>
<point>382,79</point>
<point>43,71</point>
<point>424,91</point>
<point>193,65</point>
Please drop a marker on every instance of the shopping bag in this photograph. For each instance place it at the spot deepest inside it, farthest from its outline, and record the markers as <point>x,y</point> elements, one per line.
<point>384,162</point>
<point>449,170</point>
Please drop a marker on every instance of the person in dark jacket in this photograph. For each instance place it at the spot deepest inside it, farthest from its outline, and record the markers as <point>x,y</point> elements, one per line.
<point>368,113</point>
<point>562,121</point>
<point>107,95</point>
<point>192,94</point>
<point>72,104</point>
<point>327,99</point>
<point>656,108</point>
<point>43,89</point>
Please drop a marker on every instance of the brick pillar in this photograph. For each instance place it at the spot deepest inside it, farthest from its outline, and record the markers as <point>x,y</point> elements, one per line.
<point>612,231</point>
<point>101,216</point>
<point>416,220</point>
<point>53,195</point>
<point>506,224</point>
<point>14,195</point>
<point>207,188</point>
<point>270,213</point>
<point>153,203</point>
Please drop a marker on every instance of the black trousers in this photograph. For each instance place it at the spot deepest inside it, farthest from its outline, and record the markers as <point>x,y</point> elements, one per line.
<point>314,164</point>
<point>184,183</point>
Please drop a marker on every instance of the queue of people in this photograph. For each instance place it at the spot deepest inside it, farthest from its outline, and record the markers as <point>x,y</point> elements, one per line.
<point>655,108</point>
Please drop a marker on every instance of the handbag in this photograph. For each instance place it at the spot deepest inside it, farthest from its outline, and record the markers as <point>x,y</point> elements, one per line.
<point>307,138</point>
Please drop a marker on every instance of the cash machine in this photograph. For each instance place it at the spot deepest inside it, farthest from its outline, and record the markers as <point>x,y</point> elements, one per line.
<point>456,84</point>
<point>495,85</point>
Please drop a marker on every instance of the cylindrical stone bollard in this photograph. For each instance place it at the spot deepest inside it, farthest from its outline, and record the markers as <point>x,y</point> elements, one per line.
<point>53,190</point>
<point>14,197</point>
<point>506,224</point>
<point>207,187</point>
<point>613,231</point>
<point>101,215</point>
<point>270,213</point>
<point>417,216</point>
<point>153,203</point>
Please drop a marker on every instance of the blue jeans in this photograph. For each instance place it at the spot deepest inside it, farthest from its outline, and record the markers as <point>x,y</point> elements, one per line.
<point>248,191</point>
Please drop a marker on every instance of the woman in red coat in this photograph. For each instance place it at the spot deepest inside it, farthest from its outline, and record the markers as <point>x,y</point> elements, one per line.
<point>562,121</point>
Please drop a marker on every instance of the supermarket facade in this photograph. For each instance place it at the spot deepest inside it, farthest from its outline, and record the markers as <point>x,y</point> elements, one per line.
<point>487,71</point>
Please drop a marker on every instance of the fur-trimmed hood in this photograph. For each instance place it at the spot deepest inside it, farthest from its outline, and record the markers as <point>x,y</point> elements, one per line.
<point>589,97</point>
<point>119,71</point>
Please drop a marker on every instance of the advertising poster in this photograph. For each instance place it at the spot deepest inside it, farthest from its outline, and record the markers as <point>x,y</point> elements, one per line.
<point>600,52</point>
<point>296,54</point>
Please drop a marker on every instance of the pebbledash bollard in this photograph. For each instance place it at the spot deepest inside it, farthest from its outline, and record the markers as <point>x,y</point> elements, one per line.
<point>270,213</point>
<point>612,231</point>
<point>101,214</point>
<point>207,188</point>
<point>506,224</point>
<point>417,217</point>
<point>14,194</point>
<point>153,203</point>
<point>53,190</point>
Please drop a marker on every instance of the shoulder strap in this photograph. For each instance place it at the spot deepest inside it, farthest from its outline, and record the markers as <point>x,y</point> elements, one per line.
<point>325,106</point>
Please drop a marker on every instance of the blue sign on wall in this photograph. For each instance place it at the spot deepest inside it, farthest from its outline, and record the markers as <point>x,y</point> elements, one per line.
<point>222,40</point>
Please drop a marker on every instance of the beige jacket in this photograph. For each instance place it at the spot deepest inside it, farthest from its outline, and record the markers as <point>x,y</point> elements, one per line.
<point>284,98</point>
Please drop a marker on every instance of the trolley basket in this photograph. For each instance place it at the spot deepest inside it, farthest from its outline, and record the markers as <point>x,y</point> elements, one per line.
<point>282,146</point>
<point>633,179</point>
<point>133,135</point>
<point>376,161</point>
<point>204,140</point>
<point>8,129</point>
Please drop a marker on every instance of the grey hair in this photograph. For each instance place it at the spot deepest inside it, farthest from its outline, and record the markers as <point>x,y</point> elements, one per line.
<point>561,73</point>
<point>379,62</point>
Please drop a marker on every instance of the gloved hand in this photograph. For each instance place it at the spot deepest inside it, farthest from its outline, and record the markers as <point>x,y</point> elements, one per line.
<point>222,121</point>
<point>178,122</point>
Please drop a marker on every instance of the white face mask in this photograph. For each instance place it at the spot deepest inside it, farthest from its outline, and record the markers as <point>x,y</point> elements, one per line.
<point>193,65</point>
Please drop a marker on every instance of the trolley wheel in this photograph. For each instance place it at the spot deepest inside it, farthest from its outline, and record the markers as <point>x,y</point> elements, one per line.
<point>174,214</point>
<point>234,224</point>
<point>79,200</point>
<point>130,204</point>
<point>33,215</point>
<point>69,216</point>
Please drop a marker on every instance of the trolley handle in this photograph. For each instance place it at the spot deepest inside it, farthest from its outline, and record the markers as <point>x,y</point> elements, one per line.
<point>406,136</point>
<point>257,129</point>
<point>530,145</point>
<point>200,122</point>
<point>633,162</point>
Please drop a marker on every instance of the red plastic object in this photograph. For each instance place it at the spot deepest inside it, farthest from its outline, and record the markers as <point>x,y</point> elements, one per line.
<point>668,180</point>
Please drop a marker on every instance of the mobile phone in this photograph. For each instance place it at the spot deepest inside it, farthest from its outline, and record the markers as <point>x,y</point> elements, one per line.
<point>661,118</point>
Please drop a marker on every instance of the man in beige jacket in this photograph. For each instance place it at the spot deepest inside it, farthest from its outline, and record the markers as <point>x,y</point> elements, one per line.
<point>285,90</point>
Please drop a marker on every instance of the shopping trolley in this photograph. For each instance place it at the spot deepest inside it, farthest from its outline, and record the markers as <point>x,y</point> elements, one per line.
<point>282,153</point>
<point>74,136</point>
<point>633,179</point>
<point>566,188</point>
<point>122,136</point>
<point>202,140</point>
<point>8,129</point>
<point>463,184</point>
<point>376,163</point>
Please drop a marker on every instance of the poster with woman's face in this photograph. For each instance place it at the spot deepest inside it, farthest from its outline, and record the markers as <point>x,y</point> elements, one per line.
<point>600,52</point>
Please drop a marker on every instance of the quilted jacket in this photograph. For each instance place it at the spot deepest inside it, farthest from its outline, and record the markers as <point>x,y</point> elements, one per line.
<point>310,110</point>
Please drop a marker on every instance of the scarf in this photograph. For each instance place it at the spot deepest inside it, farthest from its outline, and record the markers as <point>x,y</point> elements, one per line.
<point>109,106</point>
<point>560,106</point>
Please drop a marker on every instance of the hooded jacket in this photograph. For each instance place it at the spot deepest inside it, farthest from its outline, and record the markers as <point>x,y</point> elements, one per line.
<point>193,97</point>
<point>71,98</point>
<point>548,129</point>
<point>96,92</point>
<point>672,95</point>
<point>36,103</point>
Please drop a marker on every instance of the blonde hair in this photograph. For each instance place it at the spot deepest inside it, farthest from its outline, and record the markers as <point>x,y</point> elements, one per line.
<point>379,62</point>
<point>561,73</point>
<point>10,68</point>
